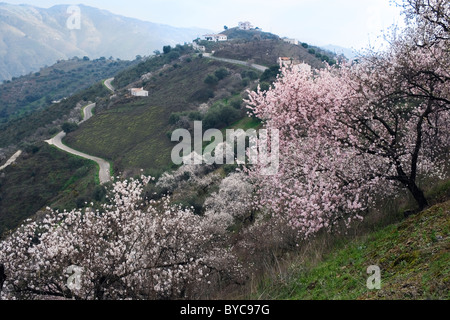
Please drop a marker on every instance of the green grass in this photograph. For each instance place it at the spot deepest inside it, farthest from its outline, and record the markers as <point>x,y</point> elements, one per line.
<point>413,257</point>
<point>246,124</point>
<point>132,135</point>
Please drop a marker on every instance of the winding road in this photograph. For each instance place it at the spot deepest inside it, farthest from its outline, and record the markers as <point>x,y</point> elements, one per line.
<point>109,85</point>
<point>87,112</point>
<point>11,160</point>
<point>242,63</point>
<point>104,172</point>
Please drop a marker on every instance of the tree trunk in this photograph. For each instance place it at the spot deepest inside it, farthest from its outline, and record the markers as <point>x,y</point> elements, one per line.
<point>418,195</point>
<point>410,183</point>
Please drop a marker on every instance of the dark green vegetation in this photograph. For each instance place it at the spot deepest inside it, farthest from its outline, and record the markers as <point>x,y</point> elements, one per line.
<point>152,64</point>
<point>413,256</point>
<point>132,132</point>
<point>44,176</point>
<point>33,92</point>
<point>221,114</point>
<point>249,35</point>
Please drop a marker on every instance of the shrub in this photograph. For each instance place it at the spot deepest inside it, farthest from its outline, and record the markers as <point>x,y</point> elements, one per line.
<point>203,95</point>
<point>220,117</point>
<point>252,75</point>
<point>173,55</point>
<point>211,80</point>
<point>69,127</point>
<point>222,73</point>
<point>270,74</point>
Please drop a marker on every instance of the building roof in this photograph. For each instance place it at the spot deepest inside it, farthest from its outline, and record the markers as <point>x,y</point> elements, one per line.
<point>215,35</point>
<point>137,89</point>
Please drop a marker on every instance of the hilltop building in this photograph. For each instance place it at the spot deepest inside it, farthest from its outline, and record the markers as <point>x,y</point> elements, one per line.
<point>245,25</point>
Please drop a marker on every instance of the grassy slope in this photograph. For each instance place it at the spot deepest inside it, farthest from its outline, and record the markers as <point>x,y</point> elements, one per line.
<point>133,134</point>
<point>413,256</point>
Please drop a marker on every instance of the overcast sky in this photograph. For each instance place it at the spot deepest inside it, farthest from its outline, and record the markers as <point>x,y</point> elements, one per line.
<point>348,23</point>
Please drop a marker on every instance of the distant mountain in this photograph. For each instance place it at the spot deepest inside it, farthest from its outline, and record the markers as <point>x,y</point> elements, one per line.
<point>347,52</point>
<point>32,37</point>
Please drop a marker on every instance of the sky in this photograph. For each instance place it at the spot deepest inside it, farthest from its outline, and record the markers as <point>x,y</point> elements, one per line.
<point>354,24</point>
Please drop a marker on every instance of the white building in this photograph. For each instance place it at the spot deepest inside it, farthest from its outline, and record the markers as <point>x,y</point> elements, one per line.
<point>285,61</point>
<point>139,92</point>
<point>288,62</point>
<point>291,41</point>
<point>245,25</point>
<point>196,46</point>
<point>215,37</point>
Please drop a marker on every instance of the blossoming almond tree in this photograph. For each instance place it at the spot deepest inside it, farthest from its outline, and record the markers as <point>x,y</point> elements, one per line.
<point>125,251</point>
<point>353,133</point>
<point>233,202</point>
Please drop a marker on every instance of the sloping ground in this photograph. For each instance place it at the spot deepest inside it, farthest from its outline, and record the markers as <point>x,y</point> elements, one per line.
<point>133,132</point>
<point>267,52</point>
<point>413,257</point>
<point>33,92</point>
<point>35,180</point>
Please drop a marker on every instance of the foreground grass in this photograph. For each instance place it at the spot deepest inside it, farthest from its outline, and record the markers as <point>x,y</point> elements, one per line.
<point>413,257</point>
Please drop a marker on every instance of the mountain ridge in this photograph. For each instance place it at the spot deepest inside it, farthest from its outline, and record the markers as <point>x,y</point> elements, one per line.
<point>44,35</point>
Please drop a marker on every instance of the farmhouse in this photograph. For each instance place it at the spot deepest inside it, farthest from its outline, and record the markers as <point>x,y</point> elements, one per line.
<point>139,92</point>
<point>288,62</point>
<point>196,46</point>
<point>285,61</point>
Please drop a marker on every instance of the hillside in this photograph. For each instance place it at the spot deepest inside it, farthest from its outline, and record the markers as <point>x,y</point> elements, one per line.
<point>27,94</point>
<point>413,256</point>
<point>44,123</point>
<point>133,132</point>
<point>31,37</point>
<point>43,176</point>
<point>265,49</point>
